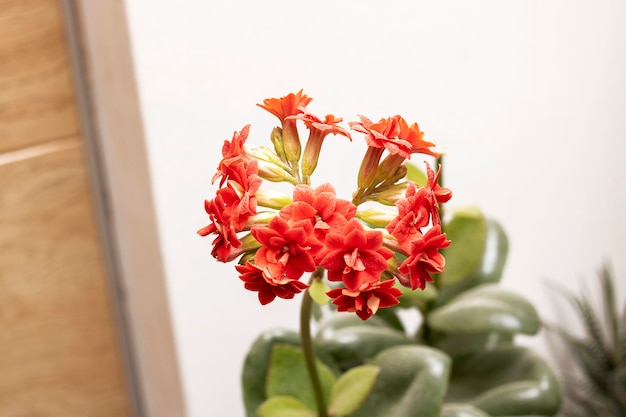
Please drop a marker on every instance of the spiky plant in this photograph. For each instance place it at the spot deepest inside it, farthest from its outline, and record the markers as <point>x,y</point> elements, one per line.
<point>594,383</point>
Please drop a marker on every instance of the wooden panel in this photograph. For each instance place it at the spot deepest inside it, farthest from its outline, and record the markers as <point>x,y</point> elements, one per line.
<point>117,119</point>
<point>58,349</point>
<point>36,99</point>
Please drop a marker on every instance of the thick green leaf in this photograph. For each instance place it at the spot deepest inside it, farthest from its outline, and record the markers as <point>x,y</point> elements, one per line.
<point>460,344</point>
<point>417,298</point>
<point>390,316</point>
<point>318,290</point>
<point>510,381</point>
<point>412,383</point>
<point>288,376</point>
<point>490,267</point>
<point>468,233</point>
<point>352,341</point>
<point>461,410</point>
<point>283,406</point>
<point>337,321</point>
<point>256,365</point>
<point>351,389</point>
<point>484,309</point>
<point>415,174</point>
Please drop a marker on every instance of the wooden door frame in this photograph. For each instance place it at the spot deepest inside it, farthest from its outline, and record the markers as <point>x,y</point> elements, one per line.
<point>112,127</point>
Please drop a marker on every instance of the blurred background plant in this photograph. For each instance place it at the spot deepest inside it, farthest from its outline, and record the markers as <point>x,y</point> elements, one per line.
<point>594,369</point>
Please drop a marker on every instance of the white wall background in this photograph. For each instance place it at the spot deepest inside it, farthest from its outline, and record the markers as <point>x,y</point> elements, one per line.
<point>528,98</point>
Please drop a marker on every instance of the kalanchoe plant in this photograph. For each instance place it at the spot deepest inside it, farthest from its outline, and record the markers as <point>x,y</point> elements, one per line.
<point>373,260</point>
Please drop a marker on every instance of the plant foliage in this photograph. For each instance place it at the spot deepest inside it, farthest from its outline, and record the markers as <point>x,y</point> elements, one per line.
<point>461,361</point>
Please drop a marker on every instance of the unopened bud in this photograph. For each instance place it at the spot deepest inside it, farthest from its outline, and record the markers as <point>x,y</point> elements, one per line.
<point>390,195</point>
<point>376,217</point>
<point>369,166</point>
<point>271,168</point>
<point>260,219</point>
<point>272,199</point>
<point>272,173</point>
<point>248,245</point>
<point>389,168</point>
<point>396,176</point>
<point>291,141</point>
<point>312,152</point>
<point>277,140</point>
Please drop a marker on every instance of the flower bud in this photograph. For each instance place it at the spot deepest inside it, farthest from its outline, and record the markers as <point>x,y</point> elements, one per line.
<point>291,141</point>
<point>271,172</point>
<point>260,219</point>
<point>272,199</point>
<point>277,140</point>
<point>312,153</point>
<point>396,176</point>
<point>376,217</point>
<point>248,245</point>
<point>389,167</point>
<point>271,168</point>
<point>369,166</point>
<point>390,195</point>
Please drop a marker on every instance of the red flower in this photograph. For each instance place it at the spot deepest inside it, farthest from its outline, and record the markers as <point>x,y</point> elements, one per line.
<point>435,194</point>
<point>233,153</point>
<point>286,106</point>
<point>354,256</point>
<point>366,300</point>
<point>288,249</point>
<point>319,126</point>
<point>289,105</point>
<point>383,134</point>
<point>232,207</point>
<point>255,279</point>
<point>239,195</point>
<point>226,241</point>
<point>418,208</point>
<point>318,130</point>
<point>379,136</point>
<point>415,137</point>
<point>424,258</point>
<point>414,212</point>
<point>321,206</point>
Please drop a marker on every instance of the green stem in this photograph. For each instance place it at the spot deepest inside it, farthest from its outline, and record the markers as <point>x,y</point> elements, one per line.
<point>439,167</point>
<point>440,182</point>
<point>307,346</point>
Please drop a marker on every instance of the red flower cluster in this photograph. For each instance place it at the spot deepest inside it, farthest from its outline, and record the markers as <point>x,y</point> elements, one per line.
<point>416,211</point>
<point>357,258</point>
<point>235,202</point>
<point>318,229</point>
<point>315,229</point>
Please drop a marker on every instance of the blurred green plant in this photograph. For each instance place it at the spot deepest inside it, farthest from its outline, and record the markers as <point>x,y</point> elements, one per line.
<point>461,362</point>
<point>594,382</point>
